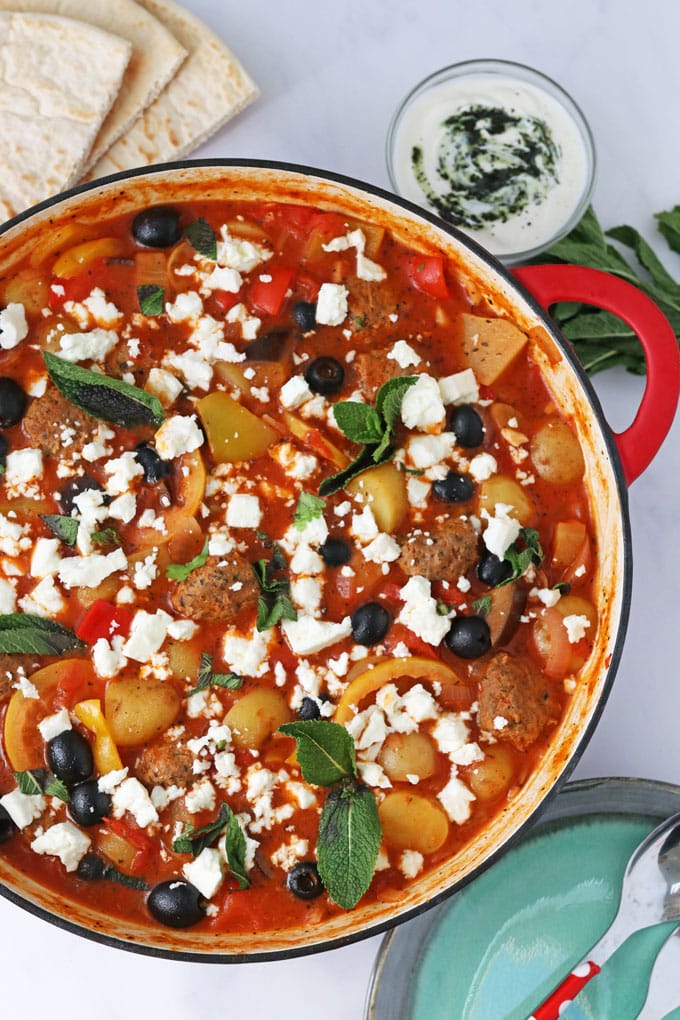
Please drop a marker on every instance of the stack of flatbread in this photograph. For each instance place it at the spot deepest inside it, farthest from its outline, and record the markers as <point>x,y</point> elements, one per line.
<point>88,88</point>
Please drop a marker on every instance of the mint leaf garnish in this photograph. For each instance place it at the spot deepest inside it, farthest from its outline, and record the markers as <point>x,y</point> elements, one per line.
<point>109,536</point>
<point>235,845</point>
<point>63,528</point>
<point>325,751</point>
<point>349,840</point>
<point>482,606</point>
<point>34,635</point>
<point>309,508</point>
<point>180,571</point>
<point>193,841</point>
<point>206,677</point>
<point>151,299</point>
<point>32,781</point>
<point>56,788</point>
<point>103,397</point>
<point>203,238</point>
<point>274,603</point>
<point>521,556</point>
<point>371,426</point>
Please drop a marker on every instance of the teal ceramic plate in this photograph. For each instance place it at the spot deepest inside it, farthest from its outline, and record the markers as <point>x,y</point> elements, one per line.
<point>497,948</point>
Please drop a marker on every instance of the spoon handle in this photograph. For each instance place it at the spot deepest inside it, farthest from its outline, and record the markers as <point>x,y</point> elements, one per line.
<point>579,977</point>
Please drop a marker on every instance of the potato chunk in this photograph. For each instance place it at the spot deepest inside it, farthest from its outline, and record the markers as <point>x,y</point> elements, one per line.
<point>384,489</point>
<point>139,710</point>
<point>490,346</point>
<point>234,433</point>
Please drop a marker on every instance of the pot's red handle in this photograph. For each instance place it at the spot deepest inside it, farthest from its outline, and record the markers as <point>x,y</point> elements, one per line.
<point>640,442</point>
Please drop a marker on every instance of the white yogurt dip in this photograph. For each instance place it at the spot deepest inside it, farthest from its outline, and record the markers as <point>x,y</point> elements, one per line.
<point>497,156</point>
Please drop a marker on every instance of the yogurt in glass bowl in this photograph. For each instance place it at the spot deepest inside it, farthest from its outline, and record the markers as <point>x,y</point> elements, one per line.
<point>498,150</point>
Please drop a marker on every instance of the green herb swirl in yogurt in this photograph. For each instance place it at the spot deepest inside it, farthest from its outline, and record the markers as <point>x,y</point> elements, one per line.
<point>491,164</point>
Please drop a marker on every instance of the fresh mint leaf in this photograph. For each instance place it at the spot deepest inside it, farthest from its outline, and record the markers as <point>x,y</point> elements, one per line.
<point>522,553</point>
<point>63,528</point>
<point>235,845</point>
<point>180,571</point>
<point>334,483</point>
<point>563,587</point>
<point>272,611</point>
<point>389,398</point>
<point>263,537</point>
<point>151,299</point>
<point>647,258</point>
<point>32,781</point>
<point>24,633</point>
<point>206,677</point>
<point>55,788</point>
<point>103,397</point>
<point>193,841</point>
<point>202,237</point>
<point>325,751</point>
<point>359,422</point>
<point>274,602</point>
<point>669,227</point>
<point>349,840</point>
<point>482,605</point>
<point>309,508</point>
<point>109,536</point>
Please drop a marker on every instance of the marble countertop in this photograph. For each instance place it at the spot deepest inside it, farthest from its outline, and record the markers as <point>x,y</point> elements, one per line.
<point>331,76</point>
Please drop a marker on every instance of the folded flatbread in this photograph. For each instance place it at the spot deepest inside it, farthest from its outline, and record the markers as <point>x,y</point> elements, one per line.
<point>209,88</point>
<point>58,81</point>
<point>156,55</point>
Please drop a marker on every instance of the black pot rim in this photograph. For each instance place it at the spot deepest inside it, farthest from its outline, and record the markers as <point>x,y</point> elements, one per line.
<point>626,582</point>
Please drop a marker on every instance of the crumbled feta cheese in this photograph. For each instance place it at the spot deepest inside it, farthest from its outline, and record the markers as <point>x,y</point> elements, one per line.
<point>8,597</point>
<point>65,841</point>
<point>133,797</point>
<point>461,388</point>
<point>90,571</point>
<point>23,808</point>
<point>240,253</point>
<point>307,635</point>
<point>422,407</point>
<point>331,304</point>
<point>163,385</point>
<point>102,311</point>
<point>383,549</point>
<point>288,854</point>
<point>28,689</point>
<point>411,863</point>
<point>456,799</point>
<point>222,278</point>
<point>52,725</point>
<point>296,464</point>
<point>373,775</point>
<point>306,593</point>
<point>192,366</point>
<point>147,633</point>
<point>121,472</point>
<point>417,492</point>
<point>182,630</point>
<point>366,268</point>
<point>501,530</point>
<point>145,571</point>
<point>250,324</point>
<point>364,526</point>
<point>244,511</point>
<point>110,780</point>
<point>123,508</point>
<point>92,346</point>
<point>294,392</point>
<point>483,466</point>
<point>247,656</point>
<point>45,599</point>
<point>177,435</point>
<point>426,451</point>
<point>21,468</point>
<point>419,612</point>
<point>13,325</point>
<point>404,355</point>
<point>206,872</point>
<point>108,659</point>
<point>576,627</point>
<point>306,561</point>
<point>186,307</point>
<point>548,596</point>
<point>201,797</point>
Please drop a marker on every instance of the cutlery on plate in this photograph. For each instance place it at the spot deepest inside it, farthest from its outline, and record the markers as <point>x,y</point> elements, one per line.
<point>663,995</point>
<point>650,894</point>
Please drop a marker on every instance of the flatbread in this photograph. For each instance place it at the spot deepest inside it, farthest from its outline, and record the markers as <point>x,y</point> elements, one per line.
<point>156,55</point>
<point>58,80</point>
<point>209,88</point>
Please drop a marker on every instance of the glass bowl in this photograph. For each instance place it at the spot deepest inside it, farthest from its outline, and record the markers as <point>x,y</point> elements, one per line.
<point>481,186</point>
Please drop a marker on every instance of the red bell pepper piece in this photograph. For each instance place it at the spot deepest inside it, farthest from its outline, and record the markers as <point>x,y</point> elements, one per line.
<point>225,300</point>
<point>426,272</point>
<point>104,620</point>
<point>268,292</point>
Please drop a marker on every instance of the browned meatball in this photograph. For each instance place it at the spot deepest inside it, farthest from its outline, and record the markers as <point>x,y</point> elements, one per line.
<point>165,763</point>
<point>374,368</point>
<point>49,415</point>
<point>371,303</point>
<point>10,666</point>
<point>514,691</point>
<point>447,551</point>
<point>217,591</point>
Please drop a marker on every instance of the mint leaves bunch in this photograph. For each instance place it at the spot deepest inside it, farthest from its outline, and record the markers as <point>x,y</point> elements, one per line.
<point>522,553</point>
<point>193,841</point>
<point>373,427</point>
<point>349,829</point>
<point>274,603</point>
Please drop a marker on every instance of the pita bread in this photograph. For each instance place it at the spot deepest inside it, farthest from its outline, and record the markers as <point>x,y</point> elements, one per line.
<point>209,88</point>
<point>58,80</point>
<point>156,55</point>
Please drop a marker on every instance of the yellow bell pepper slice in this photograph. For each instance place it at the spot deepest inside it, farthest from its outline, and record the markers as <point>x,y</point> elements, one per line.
<point>416,667</point>
<point>106,756</point>
<point>76,260</point>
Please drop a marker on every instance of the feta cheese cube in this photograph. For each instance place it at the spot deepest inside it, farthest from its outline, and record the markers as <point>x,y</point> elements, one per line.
<point>460,388</point>
<point>206,872</point>
<point>307,635</point>
<point>147,634</point>
<point>576,627</point>
<point>244,511</point>
<point>422,407</point>
<point>131,796</point>
<point>163,385</point>
<point>456,798</point>
<point>65,841</point>
<point>294,392</point>
<point>331,305</point>
<point>23,808</point>
<point>403,354</point>
<point>52,725</point>
<point>13,325</point>
<point>177,435</point>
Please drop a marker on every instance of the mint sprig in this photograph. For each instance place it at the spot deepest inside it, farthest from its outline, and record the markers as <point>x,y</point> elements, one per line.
<point>180,571</point>
<point>151,299</point>
<point>373,427</point>
<point>349,828</point>
<point>63,528</point>
<point>202,237</point>
<point>193,841</point>
<point>103,397</point>
<point>274,603</point>
<point>235,846</point>
<point>522,553</point>
<point>309,508</point>
<point>24,633</point>
<point>37,781</point>
<point>206,677</point>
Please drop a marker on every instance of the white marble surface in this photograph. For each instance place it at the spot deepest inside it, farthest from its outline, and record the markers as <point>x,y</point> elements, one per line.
<point>331,76</point>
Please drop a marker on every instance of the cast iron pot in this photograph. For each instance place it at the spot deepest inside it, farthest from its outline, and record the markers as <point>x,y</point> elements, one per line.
<point>613,462</point>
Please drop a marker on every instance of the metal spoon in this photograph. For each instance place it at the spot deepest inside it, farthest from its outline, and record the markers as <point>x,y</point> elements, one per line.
<point>650,894</point>
<point>663,995</point>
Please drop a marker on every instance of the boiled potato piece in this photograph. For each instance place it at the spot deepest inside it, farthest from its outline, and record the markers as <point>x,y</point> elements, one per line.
<point>30,288</point>
<point>490,346</point>
<point>412,821</point>
<point>255,716</point>
<point>492,777</point>
<point>117,850</point>
<point>569,541</point>
<point>139,710</point>
<point>384,489</point>
<point>408,754</point>
<point>502,489</point>
<point>234,433</point>
<point>556,453</point>
<point>574,605</point>
<point>184,659</point>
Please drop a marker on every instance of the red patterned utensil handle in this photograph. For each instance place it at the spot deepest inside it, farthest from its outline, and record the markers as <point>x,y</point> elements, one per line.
<point>556,1003</point>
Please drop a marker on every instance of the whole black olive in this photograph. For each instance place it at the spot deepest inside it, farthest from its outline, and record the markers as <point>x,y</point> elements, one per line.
<point>325,375</point>
<point>304,881</point>
<point>467,425</point>
<point>335,552</point>
<point>370,623</point>
<point>91,868</point>
<point>88,805</point>
<point>304,313</point>
<point>454,488</point>
<point>153,465</point>
<point>7,826</point>
<point>309,709</point>
<point>74,487</point>
<point>492,570</point>
<point>175,903</point>
<point>469,637</point>
<point>12,402</point>
<point>69,756</point>
<point>157,227</point>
